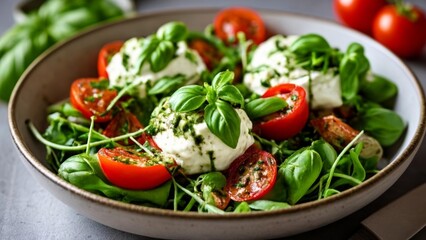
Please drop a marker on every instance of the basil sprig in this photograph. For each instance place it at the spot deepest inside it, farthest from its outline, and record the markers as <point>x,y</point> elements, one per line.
<point>160,48</point>
<point>217,101</point>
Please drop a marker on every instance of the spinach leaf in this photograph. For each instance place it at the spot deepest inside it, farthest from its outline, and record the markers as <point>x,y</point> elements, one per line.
<point>300,171</point>
<point>327,153</point>
<point>84,171</point>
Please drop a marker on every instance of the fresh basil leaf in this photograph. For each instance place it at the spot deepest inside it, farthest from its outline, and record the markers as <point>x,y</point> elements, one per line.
<point>231,94</point>
<point>162,56</point>
<point>242,207</point>
<point>309,43</point>
<point>382,124</point>
<point>378,89</point>
<point>222,79</point>
<point>167,85</point>
<point>266,205</point>
<point>327,153</point>
<point>148,45</point>
<point>224,122</point>
<point>188,98</point>
<point>173,31</point>
<point>355,48</point>
<point>261,107</point>
<point>349,81</point>
<point>300,171</point>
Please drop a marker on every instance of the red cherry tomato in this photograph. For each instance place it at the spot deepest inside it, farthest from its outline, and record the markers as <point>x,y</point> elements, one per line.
<point>126,122</point>
<point>358,14</point>
<point>405,37</point>
<point>251,176</point>
<point>105,54</point>
<point>131,170</point>
<point>230,21</point>
<point>91,98</point>
<point>210,55</point>
<point>285,124</point>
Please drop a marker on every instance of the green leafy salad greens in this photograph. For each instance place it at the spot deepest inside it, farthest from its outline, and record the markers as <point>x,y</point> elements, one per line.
<point>54,21</point>
<point>307,166</point>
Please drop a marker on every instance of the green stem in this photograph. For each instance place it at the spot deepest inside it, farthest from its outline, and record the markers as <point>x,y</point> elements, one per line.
<point>333,168</point>
<point>92,123</point>
<point>200,201</point>
<point>80,127</point>
<point>80,147</point>
<point>121,93</point>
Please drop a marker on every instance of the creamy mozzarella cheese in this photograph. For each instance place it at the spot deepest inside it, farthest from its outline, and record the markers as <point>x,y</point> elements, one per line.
<point>269,67</point>
<point>122,67</point>
<point>186,138</point>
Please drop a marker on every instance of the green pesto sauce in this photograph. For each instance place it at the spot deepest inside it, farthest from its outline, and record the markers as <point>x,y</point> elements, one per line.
<point>182,124</point>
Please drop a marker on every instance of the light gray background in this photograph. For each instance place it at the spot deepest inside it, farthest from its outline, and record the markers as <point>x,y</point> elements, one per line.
<point>27,211</point>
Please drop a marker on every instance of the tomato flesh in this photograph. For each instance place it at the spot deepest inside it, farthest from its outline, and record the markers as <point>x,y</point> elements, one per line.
<point>230,21</point>
<point>285,124</point>
<point>90,100</point>
<point>131,170</point>
<point>104,56</point>
<point>403,36</point>
<point>251,176</point>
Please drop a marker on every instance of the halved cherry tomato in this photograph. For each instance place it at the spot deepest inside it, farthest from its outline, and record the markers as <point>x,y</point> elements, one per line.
<point>91,98</point>
<point>285,124</point>
<point>251,176</point>
<point>131,170</point>
<point>404,33</point>
<point>230,21</point>
<point>105,54</point>
<point>126,122</point>
<point>210,55</point>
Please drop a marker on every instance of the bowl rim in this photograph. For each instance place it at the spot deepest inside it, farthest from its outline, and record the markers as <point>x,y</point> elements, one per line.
<point>133,208</point>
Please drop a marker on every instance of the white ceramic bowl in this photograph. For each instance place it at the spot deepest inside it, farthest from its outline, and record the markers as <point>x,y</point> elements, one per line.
<point>48,79</point>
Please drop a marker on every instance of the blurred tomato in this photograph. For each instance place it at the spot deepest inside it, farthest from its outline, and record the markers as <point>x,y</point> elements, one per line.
<point>358,14</point>
<point>403,31</point>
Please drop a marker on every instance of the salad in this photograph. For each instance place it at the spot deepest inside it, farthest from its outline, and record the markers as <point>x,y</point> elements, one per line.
<point>226,120</point>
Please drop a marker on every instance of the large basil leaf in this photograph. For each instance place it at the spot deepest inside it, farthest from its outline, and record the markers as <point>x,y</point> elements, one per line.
<point>378,89</point>
<point>224,122</point>
<point>188,98</point>
<point>382,124</point>
<point>172,31</point>
<point>162,56</point>
<point>231,94</point>
<point>309,43</point>
<point>300,171</point>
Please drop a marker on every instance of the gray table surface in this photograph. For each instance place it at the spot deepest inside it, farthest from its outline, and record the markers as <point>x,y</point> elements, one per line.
<point>27,211</point>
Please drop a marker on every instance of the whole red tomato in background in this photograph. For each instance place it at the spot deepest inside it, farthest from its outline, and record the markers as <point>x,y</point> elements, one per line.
<point>403,32</point>
<point>358,14</point>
